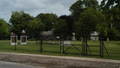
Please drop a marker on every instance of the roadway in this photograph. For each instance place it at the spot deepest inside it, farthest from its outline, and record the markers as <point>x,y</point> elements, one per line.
<point>16,65</point>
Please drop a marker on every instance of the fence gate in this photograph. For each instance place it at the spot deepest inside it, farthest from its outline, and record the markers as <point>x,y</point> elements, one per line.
<point>87,49</point>
<point>59,44</point>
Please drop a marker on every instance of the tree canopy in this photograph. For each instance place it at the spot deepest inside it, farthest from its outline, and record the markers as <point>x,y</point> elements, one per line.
<point>36,27</point>
<point>48,19</point>
<point>70,23</point>
<point>110,9</point>
<point>88,21</point>
<point>79,6</point>
<point>4,28</point>
<point>108,4</point>
<point>61,27</point>
<point>20,21</point>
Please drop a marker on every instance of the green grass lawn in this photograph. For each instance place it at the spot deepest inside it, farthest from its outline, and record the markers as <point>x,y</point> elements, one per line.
<point>113,48</point>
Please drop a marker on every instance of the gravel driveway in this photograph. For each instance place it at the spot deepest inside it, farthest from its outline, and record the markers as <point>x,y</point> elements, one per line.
<point>48,61</point>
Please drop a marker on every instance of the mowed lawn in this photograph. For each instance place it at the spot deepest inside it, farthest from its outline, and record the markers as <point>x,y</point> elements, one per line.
<point>113,48</point>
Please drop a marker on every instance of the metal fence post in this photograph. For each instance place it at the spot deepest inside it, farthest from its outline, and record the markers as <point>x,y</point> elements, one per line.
<point>101,46</point>
<point>15,41</point>
<point>41,42</point>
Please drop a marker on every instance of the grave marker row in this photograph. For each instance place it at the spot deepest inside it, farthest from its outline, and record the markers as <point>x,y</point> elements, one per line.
<point>14,38</point>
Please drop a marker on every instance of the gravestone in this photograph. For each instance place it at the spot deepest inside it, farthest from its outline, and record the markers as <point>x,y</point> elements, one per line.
<point>73,38</point>
<point>13,39</point>
<point>95,34</point>
<point>23,38</point>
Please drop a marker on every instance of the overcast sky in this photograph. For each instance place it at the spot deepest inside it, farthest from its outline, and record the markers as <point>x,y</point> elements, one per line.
<point>34,7</point>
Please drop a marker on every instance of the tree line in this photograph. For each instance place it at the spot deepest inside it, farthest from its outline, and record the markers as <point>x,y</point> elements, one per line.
<point>86,17</point>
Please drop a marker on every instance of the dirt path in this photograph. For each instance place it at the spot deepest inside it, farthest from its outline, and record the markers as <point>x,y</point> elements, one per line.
<point>58,61</point>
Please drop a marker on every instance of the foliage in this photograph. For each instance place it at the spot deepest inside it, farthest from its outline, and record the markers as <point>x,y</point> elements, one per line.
<point>102,28</point>
<point>113,34</point>
<point>79,6</point>
<point>111,9</point>
<point>107,4</point>
<point>116,17</point>
<point>4,28</point>
<point>70,22</point>
<point>20,21</point>
<point>61,27</point>
<point>48,19</point>
<point>88,21</point>
<point>36,27</point>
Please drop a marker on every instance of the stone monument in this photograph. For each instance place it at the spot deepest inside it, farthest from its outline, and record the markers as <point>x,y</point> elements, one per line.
<point>13,39</point>
<point>95,34</point>
<point>73,38</point>
<point>23,38</point>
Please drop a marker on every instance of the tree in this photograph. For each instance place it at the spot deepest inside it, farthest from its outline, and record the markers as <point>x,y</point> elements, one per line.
<point>111,10</point>
<point>102,28</point>
<point>48,19</point>
<point>108,4</point>
<point>115,17</point>
<point>36,27</point>
<point>4,29</point>
<point>88,21</point>
<point>70,23</point>
<point>20,21</point>
<point>61,27</point>
<point>79,6</point>
<point>113,33</point>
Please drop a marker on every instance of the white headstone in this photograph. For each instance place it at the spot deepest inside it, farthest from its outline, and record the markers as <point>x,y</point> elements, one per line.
<point>23,40</point>
<point>13,40</point>
<point>95,38</point>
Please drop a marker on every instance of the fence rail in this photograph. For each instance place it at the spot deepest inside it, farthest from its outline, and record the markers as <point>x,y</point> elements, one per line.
<point>84,49</point>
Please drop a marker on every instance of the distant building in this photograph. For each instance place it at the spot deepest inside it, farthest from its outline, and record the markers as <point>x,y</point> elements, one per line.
<point>48,35</point>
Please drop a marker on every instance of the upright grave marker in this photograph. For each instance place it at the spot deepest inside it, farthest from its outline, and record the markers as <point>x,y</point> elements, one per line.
<point>95,34</point>
<point>23,38</point>
<point>13,39</point>
<point>73,38</point>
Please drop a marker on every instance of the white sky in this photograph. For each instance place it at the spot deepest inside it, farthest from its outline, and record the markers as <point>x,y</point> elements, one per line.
<point>34,7</point>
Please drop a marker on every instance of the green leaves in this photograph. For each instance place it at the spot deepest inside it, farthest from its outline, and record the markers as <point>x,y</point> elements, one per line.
<point>33,26</point>
<point>36,26</point>
<point>87,16</point>
<point>102,28</point>
<point>20,21</point>
<point>79,6</point>
<point>61,27</point>
<point>4,30</point>
<point>47,19</point>
<point>88,21</point>
<point>111,10</point>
